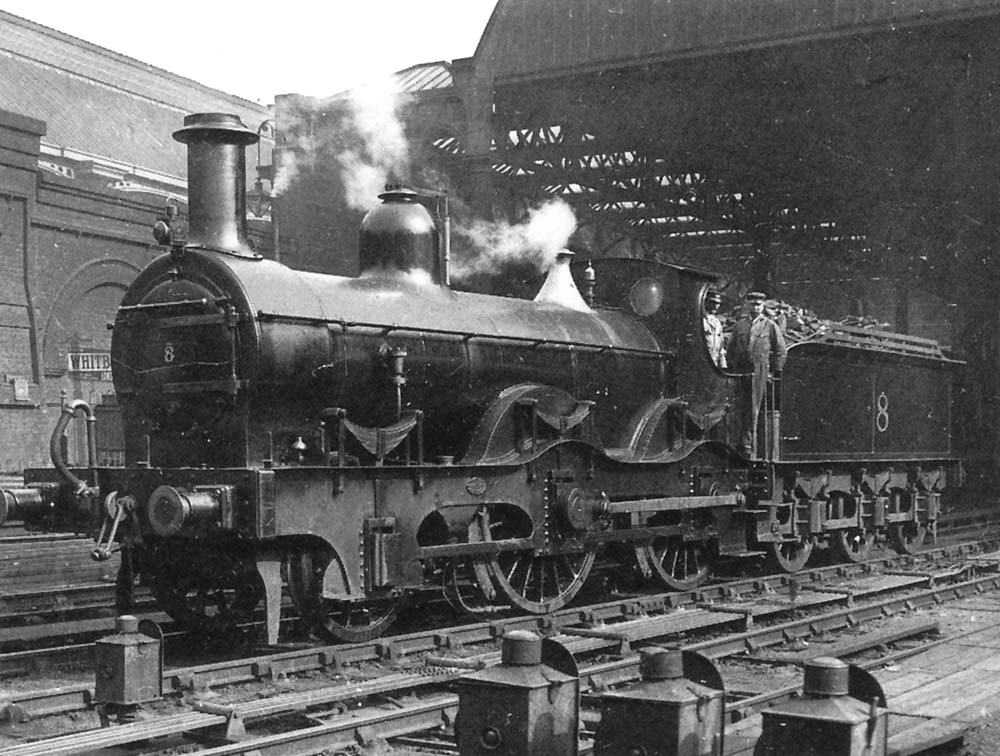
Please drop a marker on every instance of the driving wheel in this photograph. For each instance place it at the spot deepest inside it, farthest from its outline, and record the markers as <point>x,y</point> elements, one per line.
<point>540,583</point>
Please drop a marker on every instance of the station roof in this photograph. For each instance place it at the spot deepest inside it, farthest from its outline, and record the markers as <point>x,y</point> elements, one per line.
<point>530,39</point>
<point>103,106</point>
<point>424,77</point>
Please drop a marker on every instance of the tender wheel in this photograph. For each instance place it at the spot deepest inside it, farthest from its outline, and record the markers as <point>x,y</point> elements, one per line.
<point>854,544</point>
<point>209,596</point>
<point>790,556</point>
<point>336,621</point>
<point>539,583</point>
<point>908,537</point>
<point>679,565</point>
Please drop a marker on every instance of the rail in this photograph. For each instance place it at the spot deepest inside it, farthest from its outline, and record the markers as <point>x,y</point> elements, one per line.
<point>438,708</point>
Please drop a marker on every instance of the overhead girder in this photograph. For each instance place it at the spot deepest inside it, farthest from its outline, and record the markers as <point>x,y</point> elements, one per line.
<point>593,190</point>
<point>592,152</point>
<point>449,144</point>
<point>636,162</point>
<point>636,131</point>
<point>668,197</point>
<point>655,196</point>
<point>610,166</point>
<point>613,181</point>
<point>865,140</point>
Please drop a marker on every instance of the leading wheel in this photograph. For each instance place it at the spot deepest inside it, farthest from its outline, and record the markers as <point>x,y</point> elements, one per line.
<point>205,599</point>
<point>540,583</point>
<point>908,537</point>
<point>790,556</point>
<point>331,620</point>
<point>679,565</point>
<point>854,544</point>
<point>354,621</point>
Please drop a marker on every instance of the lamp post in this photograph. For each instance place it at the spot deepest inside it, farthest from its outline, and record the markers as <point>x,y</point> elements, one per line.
<point>260,201</point>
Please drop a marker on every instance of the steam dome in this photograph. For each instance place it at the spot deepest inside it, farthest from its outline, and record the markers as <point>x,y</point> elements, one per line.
<point>399,234</point>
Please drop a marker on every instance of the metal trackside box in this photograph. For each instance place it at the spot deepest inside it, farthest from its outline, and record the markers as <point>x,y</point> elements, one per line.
<point>129,666</point>
<point>677,709</point>
<point>522,707</point>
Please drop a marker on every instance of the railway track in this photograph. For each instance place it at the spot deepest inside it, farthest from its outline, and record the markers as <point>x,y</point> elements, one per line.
<point>401,702</point>
<point>743,618</point>
<point>51,589</point>
<point>47,615</point>
<point>29,560</point>
<point>73,608</point>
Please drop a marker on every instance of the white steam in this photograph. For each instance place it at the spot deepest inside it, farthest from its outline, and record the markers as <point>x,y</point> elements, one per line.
<point>542,236</point>
<point>286,166</point>
<point>381,147</point>
<point>359,134</point>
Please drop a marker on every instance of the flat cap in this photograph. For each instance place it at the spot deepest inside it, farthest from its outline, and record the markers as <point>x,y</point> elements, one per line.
<point>755,296</point>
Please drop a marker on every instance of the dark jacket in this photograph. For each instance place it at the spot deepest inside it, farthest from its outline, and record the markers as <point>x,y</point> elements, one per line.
<point>759,341</point>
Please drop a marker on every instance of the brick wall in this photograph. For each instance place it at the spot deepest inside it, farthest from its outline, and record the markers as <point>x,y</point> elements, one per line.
<point>69,246</point>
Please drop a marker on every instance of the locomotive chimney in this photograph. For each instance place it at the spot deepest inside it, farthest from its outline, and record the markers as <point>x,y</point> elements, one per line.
<point>217,202</point>
<point>559,287</point>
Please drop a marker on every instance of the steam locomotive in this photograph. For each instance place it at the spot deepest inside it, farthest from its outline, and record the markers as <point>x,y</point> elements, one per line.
<point>363,440</point>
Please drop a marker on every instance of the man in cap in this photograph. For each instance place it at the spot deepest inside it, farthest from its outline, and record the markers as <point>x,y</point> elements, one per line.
<point>714,338</point>
<point>756,346</point>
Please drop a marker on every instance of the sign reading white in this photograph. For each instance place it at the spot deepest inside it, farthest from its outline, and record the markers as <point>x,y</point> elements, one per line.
<point>89,362</point>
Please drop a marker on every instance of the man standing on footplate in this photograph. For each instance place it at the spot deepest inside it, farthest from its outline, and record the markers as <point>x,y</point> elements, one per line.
<point>756,348</point>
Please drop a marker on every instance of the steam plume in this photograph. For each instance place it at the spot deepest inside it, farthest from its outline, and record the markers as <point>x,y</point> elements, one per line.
<point>358,133</point>
<point>380,147</point>
<point>538,240</point>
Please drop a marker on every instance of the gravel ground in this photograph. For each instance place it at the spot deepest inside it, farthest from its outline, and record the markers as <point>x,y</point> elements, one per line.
<point>983,740</point>
<point>954,618</point>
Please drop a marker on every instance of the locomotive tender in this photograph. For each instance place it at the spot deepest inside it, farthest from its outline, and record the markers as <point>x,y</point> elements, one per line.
<point>363,440</point>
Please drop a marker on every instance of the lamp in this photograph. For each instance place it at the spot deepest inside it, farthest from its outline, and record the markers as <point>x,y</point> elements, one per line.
<point>259,200</point>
